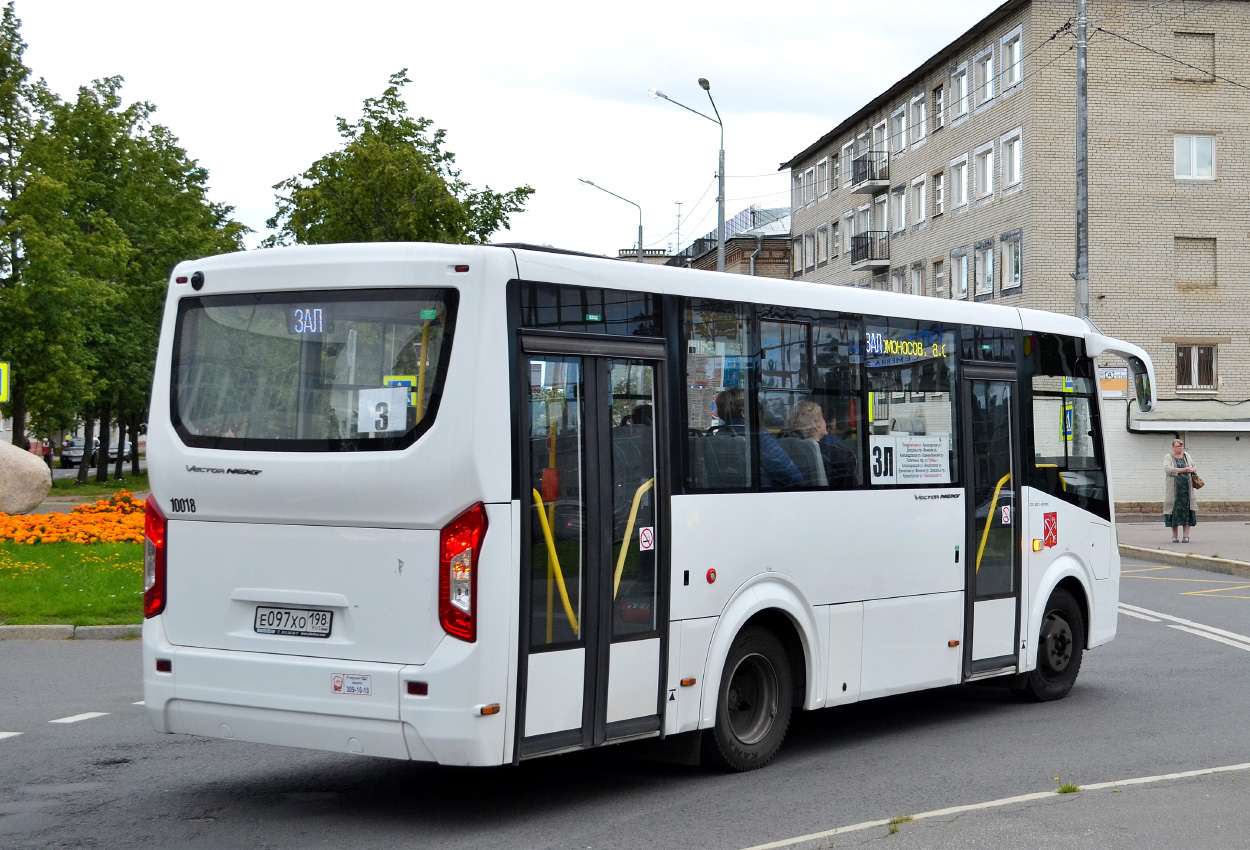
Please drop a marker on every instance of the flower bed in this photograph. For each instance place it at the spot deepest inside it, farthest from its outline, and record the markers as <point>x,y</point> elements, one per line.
<point>117,519</point>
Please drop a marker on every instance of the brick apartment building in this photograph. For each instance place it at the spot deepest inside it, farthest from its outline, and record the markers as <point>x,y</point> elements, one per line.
<point>959,182</point>
<point>757,242</point>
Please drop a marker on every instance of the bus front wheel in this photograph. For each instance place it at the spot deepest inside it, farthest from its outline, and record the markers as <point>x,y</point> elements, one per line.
<point>753,704</point>
<point>1060,647</point>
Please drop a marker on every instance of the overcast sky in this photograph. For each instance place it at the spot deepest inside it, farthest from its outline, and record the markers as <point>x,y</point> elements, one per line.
<point>540,93</point>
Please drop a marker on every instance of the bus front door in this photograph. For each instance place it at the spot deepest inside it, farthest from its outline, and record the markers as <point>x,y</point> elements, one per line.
<point>591,591</point>
<point>993,544</point>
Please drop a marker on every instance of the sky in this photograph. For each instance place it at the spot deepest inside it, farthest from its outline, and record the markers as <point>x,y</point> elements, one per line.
<point>537,94</point>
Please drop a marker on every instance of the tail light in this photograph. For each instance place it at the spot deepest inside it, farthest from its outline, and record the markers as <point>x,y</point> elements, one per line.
<point>153,558</point>
<point>460,546</point>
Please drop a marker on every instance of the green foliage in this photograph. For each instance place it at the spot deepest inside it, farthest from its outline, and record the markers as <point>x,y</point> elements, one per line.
<point>391,182</point>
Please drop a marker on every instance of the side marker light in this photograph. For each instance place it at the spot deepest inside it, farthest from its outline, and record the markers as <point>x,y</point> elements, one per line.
<point>686,683</point>
<point>952,643</point>
<point>1037,545</point>
<point>164,665</point>
<point>488,710</point>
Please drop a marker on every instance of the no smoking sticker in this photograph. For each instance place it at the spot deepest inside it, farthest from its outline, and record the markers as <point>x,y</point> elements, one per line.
<point>646,539</point>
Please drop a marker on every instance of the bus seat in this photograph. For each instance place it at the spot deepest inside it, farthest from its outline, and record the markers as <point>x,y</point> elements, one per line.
<point>806,456</point>
<point>722,461</point>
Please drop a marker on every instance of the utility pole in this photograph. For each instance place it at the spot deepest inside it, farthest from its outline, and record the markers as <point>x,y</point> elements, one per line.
<point>679,203</point>
<point>1082,169</point>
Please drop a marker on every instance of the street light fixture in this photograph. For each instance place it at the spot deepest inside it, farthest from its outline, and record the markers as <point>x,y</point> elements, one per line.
<point>626,200</point>
<point>720,200</point>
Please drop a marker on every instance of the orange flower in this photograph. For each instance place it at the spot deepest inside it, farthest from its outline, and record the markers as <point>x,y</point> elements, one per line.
<point>117,519</point>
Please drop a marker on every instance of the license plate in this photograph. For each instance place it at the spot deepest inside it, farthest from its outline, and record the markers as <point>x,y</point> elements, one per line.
<point>296,622</point>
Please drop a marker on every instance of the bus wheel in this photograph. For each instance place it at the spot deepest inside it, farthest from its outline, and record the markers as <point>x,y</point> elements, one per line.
<point>753,704</point>
<point>1060,647</point>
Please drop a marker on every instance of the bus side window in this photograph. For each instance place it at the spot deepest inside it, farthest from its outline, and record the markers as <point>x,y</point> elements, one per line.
<point>714,348</point>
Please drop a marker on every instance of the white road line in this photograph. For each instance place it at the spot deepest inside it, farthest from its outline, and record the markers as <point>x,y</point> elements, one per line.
<point>1129,613</point>
<point>140,702</point>
<point>88,716</point>
<point>4,735</point>
<point>994,804</point>
<point>1209,636</point>
<point>1168,617</point>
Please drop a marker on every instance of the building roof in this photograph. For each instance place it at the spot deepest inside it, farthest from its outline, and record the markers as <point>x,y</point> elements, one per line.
<point>908,82</point>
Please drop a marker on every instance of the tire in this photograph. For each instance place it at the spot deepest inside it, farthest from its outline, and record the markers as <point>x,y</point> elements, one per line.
<point>1060,648</point>
<point>753,703</point>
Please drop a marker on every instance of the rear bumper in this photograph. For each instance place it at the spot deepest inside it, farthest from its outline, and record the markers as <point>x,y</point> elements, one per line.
<point>290,701</point>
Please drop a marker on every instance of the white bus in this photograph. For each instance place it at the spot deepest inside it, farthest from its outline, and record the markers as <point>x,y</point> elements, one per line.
<point>476,504</point>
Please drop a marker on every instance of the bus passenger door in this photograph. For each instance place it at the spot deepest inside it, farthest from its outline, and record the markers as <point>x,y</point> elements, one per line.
<point>593,605</point>
<point>992,564</point>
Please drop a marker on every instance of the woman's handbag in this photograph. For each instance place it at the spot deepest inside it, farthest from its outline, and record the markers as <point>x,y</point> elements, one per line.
<point>1198,482</point>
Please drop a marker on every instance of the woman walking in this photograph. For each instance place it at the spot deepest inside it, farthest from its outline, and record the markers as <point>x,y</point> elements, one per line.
<point>1180,506</point>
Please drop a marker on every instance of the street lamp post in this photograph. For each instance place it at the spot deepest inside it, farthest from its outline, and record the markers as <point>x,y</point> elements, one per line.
<point>720,200</point>
<point>626,200</point>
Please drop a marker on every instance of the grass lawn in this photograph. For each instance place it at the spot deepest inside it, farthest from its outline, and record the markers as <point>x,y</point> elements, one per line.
<point>71,487</point>
<point>56,583</point>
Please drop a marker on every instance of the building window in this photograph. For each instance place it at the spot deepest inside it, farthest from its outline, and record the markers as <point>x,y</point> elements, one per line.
<point>848,232</point>
<point>896,280</point>
<point>822,177</point>
<point>1195,367</point>
<point>939,279</point>
<point>959,93</point>
<point>848,154</point>
<point>915,280</point>
<point>939,193</point>
<point>809,186</point>
<point>1013,62</point>
<point>939,107</point>
<point>796,191</point>
<point>983,161</point>
<point>822,245</point>
<point>918,200</point>
<point>1195,55</point>
<point>835,173</point>
<point>983,67</point>
<point>919,120</point>
<point>1012,160</point>
<point>809,249</point>
<point>796,256</point>
<point>835,240</point>
<point>1194,157</point>
<point>1013,263</point>
<point>900,210</point>
<point>984,269</point>
<point>959,182</point>
<point>898,130</point>
<point>959,274</point>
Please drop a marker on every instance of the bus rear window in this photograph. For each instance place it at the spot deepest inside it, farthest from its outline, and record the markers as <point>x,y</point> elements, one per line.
<point>326,370</point>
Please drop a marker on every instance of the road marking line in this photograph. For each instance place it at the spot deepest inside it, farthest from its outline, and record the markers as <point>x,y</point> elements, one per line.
<point>1143,570</point>
<point>77,717</point>
<point>1212,629</point>
<point>1140,616</point>
<point>1190,580</point>
<point>140,702</point>
<point>1244,646</point>
<point>1215,590</point>
<point>994,804</point>
<point>4,735</point>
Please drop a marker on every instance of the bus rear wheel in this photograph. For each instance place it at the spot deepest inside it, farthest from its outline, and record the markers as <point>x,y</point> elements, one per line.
<point>753,704</point>
<point>1060,648</point>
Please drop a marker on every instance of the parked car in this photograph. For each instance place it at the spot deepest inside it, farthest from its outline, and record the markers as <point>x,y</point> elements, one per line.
<point>129,454</point>
<point>72,451</point>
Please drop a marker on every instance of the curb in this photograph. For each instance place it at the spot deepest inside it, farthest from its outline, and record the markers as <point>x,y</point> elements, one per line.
<point>1194,562</point>
<point>70,632</point>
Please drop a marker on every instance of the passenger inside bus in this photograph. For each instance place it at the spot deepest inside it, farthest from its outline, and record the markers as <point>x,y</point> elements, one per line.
<point>841,456</point>
<point>776,467</point>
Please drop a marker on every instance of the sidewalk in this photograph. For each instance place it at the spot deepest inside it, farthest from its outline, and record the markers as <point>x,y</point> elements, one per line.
<point>1218,543</point>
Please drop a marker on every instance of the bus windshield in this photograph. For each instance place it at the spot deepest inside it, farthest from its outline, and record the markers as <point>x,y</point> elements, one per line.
<point>310,371</point>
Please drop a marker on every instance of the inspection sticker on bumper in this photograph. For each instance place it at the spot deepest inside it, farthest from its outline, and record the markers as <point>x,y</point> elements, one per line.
<point>352,684</point>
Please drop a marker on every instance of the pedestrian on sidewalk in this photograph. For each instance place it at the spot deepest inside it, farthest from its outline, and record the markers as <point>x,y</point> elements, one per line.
<point>1180,505</point>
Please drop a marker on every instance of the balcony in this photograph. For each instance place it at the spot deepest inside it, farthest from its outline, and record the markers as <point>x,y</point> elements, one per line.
<point>870,173</point>
<point>870,250</point>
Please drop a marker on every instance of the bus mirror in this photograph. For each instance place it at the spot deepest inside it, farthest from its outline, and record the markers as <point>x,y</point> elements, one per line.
<point>1141,384</point>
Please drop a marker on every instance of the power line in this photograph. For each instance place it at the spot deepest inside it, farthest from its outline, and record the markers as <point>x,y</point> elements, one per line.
<point>1134,12</point>
<point>1174,17</point>
<point>1207,71</point>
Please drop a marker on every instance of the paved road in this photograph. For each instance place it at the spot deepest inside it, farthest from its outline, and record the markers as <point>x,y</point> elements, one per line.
<point>1169,695</point>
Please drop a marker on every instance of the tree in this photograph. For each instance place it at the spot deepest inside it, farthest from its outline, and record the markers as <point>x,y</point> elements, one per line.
<point>391,182</point>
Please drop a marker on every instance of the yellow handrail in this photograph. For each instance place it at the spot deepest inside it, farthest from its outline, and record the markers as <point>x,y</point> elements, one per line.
<point>989,517</point>
<point>629,533</point>
<point>555,559</point>
<point>425,347</point>
<point>1062,483</point>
